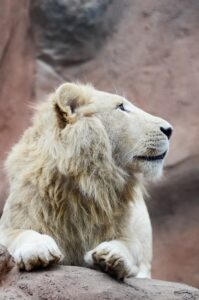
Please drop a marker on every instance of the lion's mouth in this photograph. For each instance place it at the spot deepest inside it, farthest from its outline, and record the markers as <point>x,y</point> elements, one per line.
<point>151,158</point>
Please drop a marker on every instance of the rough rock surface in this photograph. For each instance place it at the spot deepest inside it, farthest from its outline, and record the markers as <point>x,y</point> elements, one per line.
<point>67,282</point>
<point>6,262</point>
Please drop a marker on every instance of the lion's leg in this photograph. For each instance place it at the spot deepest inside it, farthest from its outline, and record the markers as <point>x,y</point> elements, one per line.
<point>144,271</point>
<point>130,256</point>
<point>115,258</point>
<point>29,248</point>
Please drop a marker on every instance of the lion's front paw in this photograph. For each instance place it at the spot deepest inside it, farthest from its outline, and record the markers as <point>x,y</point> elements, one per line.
<point>113,259</point>
<point>37,253</point>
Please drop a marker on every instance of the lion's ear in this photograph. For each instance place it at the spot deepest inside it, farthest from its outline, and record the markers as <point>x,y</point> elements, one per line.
<point>68,97</point>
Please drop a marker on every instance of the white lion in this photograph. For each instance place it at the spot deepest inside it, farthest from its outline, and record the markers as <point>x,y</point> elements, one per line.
<point>76,184</point>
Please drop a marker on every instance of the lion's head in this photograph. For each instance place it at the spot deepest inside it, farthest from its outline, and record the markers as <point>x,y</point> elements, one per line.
<point>133,138</point>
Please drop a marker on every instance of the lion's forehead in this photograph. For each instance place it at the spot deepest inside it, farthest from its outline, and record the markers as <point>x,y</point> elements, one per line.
<point>110,100</point>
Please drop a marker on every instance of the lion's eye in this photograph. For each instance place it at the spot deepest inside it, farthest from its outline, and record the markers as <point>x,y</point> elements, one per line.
<point>121,107</point>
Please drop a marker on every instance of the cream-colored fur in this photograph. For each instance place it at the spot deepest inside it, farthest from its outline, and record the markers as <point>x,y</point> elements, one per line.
<point>77,182</point>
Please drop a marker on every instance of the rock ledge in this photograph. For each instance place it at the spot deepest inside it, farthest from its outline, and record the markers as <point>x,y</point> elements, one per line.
<point>69,282</point>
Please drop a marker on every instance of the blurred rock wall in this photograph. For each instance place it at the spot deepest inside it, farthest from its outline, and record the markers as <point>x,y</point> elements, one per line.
<point>145,50</point>
<point>16,76</point>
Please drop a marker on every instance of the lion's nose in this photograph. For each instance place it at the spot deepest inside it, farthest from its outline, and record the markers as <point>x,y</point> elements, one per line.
<point>167,131</point>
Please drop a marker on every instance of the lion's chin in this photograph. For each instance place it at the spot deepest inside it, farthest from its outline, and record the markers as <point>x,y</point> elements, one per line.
<point>152,170</point>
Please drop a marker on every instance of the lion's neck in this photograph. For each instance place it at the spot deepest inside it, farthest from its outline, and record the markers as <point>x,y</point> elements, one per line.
<point>102,192</point>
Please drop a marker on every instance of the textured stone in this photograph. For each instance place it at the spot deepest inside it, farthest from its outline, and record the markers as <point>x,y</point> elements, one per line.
<point>6,263</point>
<point>74,283</point>
<point>68,31</point>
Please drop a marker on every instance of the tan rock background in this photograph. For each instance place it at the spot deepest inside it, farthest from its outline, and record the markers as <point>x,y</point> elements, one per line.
<point>16,76</point>
<point>146,50</point>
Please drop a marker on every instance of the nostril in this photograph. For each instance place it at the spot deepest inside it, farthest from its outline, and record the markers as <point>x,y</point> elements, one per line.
<point>167,131</point>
